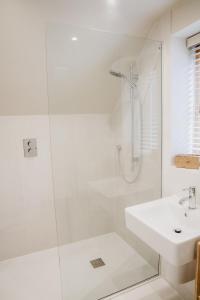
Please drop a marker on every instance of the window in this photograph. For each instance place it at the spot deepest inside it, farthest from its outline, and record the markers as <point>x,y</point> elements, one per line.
<point>193,44</point>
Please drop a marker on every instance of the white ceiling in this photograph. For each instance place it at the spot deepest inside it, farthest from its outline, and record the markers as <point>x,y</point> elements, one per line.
<point>75,64</point>
<point>23,27</point>
<point>125,16</point>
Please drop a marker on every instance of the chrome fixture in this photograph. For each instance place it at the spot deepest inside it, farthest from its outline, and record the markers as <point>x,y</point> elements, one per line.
<point>135,160</point>
<point>97,263</point>
<point>30,147</point>
<point>121,75</point>
<point>191,198</point>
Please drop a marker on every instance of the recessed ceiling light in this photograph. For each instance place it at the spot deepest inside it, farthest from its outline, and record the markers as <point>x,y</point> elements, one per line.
<point>74,38</point>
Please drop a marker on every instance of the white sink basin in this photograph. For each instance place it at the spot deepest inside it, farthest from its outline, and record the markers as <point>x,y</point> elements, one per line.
<point>154,223</point>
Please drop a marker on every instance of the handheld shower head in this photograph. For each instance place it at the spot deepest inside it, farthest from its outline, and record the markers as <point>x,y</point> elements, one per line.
<point>121,75</point>
<point>117,74</point>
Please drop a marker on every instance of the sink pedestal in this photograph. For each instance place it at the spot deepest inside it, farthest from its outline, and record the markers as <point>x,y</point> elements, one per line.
<point>180,274</point>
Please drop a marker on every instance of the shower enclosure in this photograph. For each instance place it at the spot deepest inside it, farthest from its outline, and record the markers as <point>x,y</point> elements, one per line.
<point>105,122</point>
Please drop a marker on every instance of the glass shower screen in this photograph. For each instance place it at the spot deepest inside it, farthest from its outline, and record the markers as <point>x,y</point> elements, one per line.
<point>105,120</point>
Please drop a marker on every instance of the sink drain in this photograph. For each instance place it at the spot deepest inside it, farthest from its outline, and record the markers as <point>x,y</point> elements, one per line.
<point>177,230</point>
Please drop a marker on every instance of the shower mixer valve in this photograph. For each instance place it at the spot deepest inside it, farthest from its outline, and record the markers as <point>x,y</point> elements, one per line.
<point>30,147</point>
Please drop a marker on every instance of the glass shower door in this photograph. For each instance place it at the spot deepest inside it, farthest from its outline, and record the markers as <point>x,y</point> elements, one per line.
<point>105,122</point>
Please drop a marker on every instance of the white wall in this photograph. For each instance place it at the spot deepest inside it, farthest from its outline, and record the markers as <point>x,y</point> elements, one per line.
<point>27,216</point>
<point>174,99</point>
<point>83,155</point>
<point>185,13</point>
<point>23,88</point>
<point>27,221</point>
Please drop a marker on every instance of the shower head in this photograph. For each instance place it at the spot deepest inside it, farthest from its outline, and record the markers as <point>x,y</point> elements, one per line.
<point>117,74</point>
<point>121,75</point>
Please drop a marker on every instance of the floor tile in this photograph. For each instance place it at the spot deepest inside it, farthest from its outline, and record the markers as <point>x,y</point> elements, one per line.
<point>144,292</point>
<point>31,277</point>
<point>164,290</point>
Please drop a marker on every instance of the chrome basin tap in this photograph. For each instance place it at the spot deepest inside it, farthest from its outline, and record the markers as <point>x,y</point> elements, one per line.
<point>191,198</point>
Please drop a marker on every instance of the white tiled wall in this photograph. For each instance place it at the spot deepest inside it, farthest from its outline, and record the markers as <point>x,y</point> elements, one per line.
<point>83,155</point>
<point>27,221</point>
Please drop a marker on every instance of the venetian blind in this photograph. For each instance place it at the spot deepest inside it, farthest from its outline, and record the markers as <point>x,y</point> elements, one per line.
<point>193,44</point>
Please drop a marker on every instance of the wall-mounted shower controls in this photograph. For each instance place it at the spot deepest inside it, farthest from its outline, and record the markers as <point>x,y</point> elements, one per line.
<point>30,147</point>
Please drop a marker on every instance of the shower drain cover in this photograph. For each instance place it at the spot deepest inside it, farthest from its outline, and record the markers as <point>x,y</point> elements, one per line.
<point>97,263</point>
